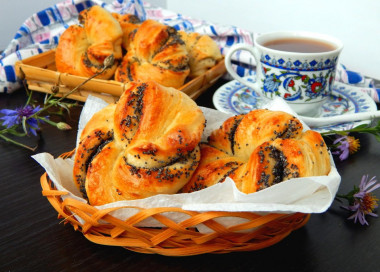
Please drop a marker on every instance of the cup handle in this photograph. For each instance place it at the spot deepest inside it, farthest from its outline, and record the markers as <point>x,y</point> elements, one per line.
<point>227,61</point>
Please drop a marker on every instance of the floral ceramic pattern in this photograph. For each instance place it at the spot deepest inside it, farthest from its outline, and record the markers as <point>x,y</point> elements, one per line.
<point>314,85</point>
<point>297,65</point>
<point>294,80</point>
<point>235,98</point>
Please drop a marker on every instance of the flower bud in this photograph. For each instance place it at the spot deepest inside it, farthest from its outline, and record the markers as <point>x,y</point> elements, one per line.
<point>55,89</point>
<point>63,126</point>
<point>109,61</point>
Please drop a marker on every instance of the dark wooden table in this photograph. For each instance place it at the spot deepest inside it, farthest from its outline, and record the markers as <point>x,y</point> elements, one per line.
<point>33,239</point>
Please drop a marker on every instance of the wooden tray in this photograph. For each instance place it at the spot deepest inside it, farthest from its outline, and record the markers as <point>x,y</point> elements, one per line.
<point>41,75</point>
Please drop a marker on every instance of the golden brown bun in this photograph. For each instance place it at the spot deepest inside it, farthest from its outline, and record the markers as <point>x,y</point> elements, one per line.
<point>214,167</point>
<point>204,53</point>
<point>156,53</point>
<point>240,135</point>
<point>146,144</point>
<point>258,150</point>
<point>128,24</point>
<point>82,50</point>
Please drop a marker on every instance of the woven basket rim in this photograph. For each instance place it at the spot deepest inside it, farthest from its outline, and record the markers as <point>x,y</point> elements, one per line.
<point>176,238</point>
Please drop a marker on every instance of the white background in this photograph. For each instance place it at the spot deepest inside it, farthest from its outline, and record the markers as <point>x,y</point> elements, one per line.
<point>355,23</point>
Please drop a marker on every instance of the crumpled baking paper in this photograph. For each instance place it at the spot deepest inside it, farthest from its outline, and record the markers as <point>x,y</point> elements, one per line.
<point>305,195</point>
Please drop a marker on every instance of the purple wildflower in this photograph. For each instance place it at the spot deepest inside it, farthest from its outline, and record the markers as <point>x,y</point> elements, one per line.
<point>343,148</point>
<point>361,201</point>
<point>15,117</point>
<point>345,145</point>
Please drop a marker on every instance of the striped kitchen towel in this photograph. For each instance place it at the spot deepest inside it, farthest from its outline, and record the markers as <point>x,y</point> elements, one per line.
<point>41,32</point>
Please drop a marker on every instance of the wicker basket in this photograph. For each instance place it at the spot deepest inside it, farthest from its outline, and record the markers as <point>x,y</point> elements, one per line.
<point>41,75</point>
<point>175,239</point>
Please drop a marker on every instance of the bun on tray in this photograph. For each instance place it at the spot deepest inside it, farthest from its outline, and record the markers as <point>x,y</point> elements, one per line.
<point>146,144</point>
<point>82,49</point>
<point>258,150</point>
<point>142,51</point>
<point>203,52</point>
<point>128,23</point>
<point>155,52</point>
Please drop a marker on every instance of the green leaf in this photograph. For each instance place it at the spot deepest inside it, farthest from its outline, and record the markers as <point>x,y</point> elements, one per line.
<point>361,126</point>
<point>24,125</point>
<point>63,105</point>
<point>46,100</point>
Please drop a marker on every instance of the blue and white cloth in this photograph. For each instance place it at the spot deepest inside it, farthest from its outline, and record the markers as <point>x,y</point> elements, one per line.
<point>42,30</point>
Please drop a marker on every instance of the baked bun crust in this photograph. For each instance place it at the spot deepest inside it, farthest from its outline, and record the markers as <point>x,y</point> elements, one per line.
<point>203,52</point>
<point>128,23</point>
<point>82,49</point>
<point>157,53</point>
<point>146,144</point>
<point>260,149</point>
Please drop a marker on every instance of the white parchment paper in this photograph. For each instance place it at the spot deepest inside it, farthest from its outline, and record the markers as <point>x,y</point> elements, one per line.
<point>306,195</point>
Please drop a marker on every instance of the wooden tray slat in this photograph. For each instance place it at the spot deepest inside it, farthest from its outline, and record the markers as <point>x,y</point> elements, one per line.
<point>41,75</point>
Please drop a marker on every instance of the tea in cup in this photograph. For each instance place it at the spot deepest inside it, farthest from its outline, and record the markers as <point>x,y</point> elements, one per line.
<point>296,66</point>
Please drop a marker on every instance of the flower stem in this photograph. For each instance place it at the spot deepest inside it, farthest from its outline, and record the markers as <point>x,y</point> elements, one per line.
<point>54,124</point>
<point>374,130</point>
<point>350,196</point>
<point>48,103</point>
<point>69,93</point>
<point>17,143</point>
<point>29,98</point>
<point>12,131</point>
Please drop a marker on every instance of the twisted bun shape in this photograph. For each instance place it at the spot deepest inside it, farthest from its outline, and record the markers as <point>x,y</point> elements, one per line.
<point>146,144</point>
<point>155,52</point>
<point>260,149</point>
<point>128,23</point>
<point>82,50</point>
<point>204,53</point>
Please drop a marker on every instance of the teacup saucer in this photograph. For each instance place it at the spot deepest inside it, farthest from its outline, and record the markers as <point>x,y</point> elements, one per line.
<point>233,97</point>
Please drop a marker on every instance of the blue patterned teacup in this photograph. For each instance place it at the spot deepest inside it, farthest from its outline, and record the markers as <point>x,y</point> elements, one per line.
<point>302,73</point>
